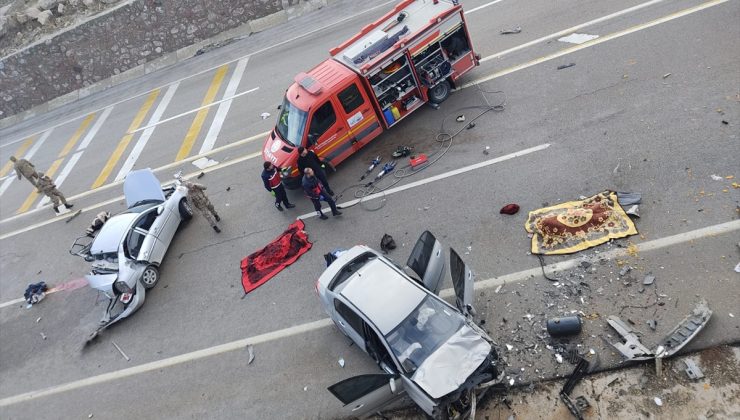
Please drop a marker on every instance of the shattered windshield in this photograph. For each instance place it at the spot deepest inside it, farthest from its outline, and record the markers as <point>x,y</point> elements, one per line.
<point>291,123</point>
<point>429,326</point>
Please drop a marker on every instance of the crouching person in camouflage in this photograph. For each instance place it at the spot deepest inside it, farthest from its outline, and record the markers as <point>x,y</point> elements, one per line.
<point>47,186</point>
<point>200,201</point>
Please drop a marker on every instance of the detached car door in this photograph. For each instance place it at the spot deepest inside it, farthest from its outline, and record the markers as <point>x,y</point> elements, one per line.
<point>366,394</point>
<point>462,281</point>
<point>427,261</point>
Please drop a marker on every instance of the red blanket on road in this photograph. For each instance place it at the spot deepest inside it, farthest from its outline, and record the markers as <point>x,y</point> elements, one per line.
<point>262,265</point>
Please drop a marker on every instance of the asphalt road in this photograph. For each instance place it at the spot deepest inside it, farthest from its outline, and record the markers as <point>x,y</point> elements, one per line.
<point>641,110</point>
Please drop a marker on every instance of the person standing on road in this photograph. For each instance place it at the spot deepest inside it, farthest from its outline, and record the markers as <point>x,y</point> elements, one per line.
<point>315,191</point>
<point>274,184</point>
<point>309,159</point>
<point>26,169</point>
<point>200,201</point>
<point>47,186</point>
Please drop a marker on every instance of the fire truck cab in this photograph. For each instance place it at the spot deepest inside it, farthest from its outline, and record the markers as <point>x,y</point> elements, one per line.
<point>412,55</point>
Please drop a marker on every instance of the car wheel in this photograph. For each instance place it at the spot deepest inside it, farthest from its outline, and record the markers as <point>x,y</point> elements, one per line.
<point>439,93</point>
<point>150,277</point>
<point>186,211</point>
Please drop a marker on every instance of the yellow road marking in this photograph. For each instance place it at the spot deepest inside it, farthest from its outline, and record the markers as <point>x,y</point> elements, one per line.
<point>19,154</point>
<point>125,140</point>
<point>60,158</point>
<point>200,117</point>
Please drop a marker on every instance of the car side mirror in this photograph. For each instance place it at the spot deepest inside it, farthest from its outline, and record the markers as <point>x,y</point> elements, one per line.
<point>392,383</point>
<point>160,209</point>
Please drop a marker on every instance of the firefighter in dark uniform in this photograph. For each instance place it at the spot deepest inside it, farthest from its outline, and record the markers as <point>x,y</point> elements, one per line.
<point>309,159</point>
<point>274,184</point>
<point>316,192</point>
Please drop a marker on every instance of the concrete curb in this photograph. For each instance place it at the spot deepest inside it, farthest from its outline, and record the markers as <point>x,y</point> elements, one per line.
<point>256,25</point>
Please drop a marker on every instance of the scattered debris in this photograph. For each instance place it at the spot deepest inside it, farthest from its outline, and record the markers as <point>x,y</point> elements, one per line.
<point>43,335</point>
<point>498,289</point>
<point>341,362</point>
<point>509,347</point>
<point>250,350</point>
<point>633,210</point>
<point>35,293</point>
<point>559,358</point>
<point>305,388</point>
<point>460,118</point>
<point>204,162</point>
<point>725,122</point>
<point>716,177</point>
<point>470,126</point>
<point>579,372</point>
<point>228,188</point>
<point>666,75</point>
<point>485,151</point>
<point>70,218</point>
<point>693,370</point>
<point>516,30</point>
<point>38,320</point>
<point>565,66</point>
<point>648,280</point>
<point>265,115</point>
<point>731,315</point>
<point>120,351</point>
<point>653,324</point>
<point>626,269</point>
<point>200,175</point>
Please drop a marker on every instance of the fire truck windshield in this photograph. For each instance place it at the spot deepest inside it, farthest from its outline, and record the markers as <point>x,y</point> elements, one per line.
<point>291,123</point>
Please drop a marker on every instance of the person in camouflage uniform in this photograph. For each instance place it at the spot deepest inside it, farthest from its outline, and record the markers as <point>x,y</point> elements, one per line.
<point>200,201</point>
<point>48,187</point>
<point>26,169</point>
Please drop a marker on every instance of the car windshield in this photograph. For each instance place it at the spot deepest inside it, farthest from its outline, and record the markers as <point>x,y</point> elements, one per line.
<point>429,326</point>
<point>291,123</point>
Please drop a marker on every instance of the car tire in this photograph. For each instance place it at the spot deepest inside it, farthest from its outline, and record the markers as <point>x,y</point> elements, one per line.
<point>440,92</point>
<point>186,211</point>
<point>150,277</point>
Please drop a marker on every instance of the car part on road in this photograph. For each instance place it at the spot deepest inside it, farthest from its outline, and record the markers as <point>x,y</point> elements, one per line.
<point>581,403</point>
<point>516,30</point>
<point>685,331</point>
<point>387,243</point>
<point>693,370</point>
<point>565,66</point>
<point>560,327</point>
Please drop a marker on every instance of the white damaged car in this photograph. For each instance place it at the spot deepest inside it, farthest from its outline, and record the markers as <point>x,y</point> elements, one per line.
<point>127,251</point>
<point>427,349</point>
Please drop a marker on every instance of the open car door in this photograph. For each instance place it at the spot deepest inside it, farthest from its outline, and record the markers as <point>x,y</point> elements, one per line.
<point>462,281</point>
<point>427,262</point>
<point>366,394</point>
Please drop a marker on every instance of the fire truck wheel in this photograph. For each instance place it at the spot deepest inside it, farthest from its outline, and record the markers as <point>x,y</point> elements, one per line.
<point>440,92</point>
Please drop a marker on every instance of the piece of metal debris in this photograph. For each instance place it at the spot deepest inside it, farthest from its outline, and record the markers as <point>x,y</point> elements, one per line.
<point>250,350</point>
<point>516,30</point>
<point>648,280</point>
<point>43,335</point>
<point>658,401</point>
<point>559,358</point>
<point>652,324</point>
<point>77,213</point>
<point>38,320</point>
<point>576,407</point>
<point>626,269</point>
<point>634,210</point>
<point>677,338</point>
<point>341,362</point>
<point>265,115</point>
<point>565,66</point>
<point>693,370</point>
<point>509,347</point>
<point>120,351</point>
<point>485,151</point>
<point>666,75</point>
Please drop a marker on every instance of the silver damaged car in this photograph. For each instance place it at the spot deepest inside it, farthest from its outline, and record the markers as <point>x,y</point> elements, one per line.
<point>127,251</point>
<point>426,349</point>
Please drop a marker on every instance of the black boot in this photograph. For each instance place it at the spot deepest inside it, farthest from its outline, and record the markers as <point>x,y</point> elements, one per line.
<point>289,205</point>
<point>322,216</point>
<point>336,213</point>
<point>217,229</point>
<point>56,209</point>
<point>69,206</point>
<point>278,206</point>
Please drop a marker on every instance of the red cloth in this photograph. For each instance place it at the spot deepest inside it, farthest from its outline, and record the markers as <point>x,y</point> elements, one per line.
<point>262,265</point>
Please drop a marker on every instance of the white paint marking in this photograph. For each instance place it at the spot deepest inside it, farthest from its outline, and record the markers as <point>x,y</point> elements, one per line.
<point>12,302</point>
<point>130,161</point>
<point>193,110</point>
<point>531,273</point>
<point>572,29</point>
<point>32,151</point>
<point>577,38</point>
<point>467,12</point>
<point>597,41</point>
<point>80,150</point>
<point>223,109</point>
<point>436,178</point>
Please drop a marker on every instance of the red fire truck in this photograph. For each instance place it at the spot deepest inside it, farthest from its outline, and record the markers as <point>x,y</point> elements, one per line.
<point>412,55</point>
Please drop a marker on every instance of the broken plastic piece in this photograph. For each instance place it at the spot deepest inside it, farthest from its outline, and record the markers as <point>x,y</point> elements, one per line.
<point>626,269</point>
<point>516,30</point>
<point>652,324</point>
<point>341,362</point>
<point>578,373</point>
<point>633,210</point>
<point>250,349</point>
<point>658,402</point>
<point>565,66</point>
<point>684,332</point>
<point>648,280</point>
<point>693,370</point>
<point>460,118</point>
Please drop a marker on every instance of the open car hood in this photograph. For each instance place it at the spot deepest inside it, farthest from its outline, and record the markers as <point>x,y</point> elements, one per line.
<point>142,186</point>
<point>446,369</point>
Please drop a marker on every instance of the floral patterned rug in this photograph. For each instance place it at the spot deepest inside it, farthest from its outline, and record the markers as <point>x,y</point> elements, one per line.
<point>577,225</point>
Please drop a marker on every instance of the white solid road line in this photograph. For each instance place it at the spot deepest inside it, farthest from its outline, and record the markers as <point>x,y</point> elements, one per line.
<point>130,161</point>
<point>597,41</point>
<point>193,111</point>
<point>28,156</point>
<point>80,150</point>
<point>571,30</point>
<point>223,108</point>
<point>424,181</point>
<point>703,233</point>
<point>471,11</point>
